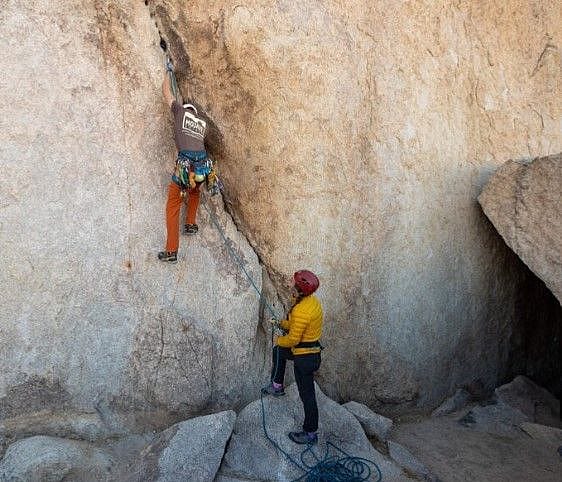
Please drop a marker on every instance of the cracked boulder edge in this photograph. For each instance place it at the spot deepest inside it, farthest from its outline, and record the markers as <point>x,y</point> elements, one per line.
<point>522,200</point>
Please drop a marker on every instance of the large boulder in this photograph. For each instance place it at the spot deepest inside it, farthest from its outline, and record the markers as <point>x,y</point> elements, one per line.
<point>41,458</point>
<point>352,139</point>
<point>523,200</point>
<point>190,450</point>
<point>374,424</point>
<point>514,403</point>
<point>251,455</point>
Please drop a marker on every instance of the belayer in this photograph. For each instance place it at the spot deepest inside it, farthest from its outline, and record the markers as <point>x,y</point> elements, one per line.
<point>302,345</point>
<point>193,167</point>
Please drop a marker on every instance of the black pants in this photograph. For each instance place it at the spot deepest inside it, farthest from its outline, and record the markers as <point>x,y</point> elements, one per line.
<point>304,367</point>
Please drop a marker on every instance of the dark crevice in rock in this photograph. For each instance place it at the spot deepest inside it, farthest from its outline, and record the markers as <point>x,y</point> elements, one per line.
<point>173,46</point>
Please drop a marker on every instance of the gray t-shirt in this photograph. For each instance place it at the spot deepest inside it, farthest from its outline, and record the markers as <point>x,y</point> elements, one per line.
<point>189,129</point>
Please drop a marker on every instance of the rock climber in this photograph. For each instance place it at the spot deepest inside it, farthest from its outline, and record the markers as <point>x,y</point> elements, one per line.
<point>192,168</point>
<point>302,345</point>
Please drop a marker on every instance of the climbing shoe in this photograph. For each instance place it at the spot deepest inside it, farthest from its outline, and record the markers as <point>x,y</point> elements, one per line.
<point>170,256</point>
<point>190,229</point>
<point>271,390</point>
<point>304,438</point>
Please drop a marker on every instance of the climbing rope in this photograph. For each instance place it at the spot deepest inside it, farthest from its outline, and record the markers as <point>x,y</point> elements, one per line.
<point>236,258</point>
<point>172,76</point>
<point>336,467</point>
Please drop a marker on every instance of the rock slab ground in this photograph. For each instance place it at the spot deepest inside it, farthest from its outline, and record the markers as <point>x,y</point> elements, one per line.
<point>250,455</point>
<point>489,442</point>
<point>374,424</point>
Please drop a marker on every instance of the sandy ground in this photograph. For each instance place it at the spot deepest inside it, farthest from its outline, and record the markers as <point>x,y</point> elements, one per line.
<point>454,452</point>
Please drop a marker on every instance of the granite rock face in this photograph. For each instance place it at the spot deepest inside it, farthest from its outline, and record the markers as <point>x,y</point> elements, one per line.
<point>90,318</point>
<point>524,202</point>
<point>352,140</point>
<point>356,139</point>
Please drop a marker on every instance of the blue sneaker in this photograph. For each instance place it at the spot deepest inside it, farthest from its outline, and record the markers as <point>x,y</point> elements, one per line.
<point>304,438</point>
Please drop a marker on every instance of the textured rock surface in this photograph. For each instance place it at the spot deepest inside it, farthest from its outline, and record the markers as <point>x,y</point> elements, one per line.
<point>40,459</point>
<point>523,201</point>
<point>67,424</point>
<point>456,453</point>
<point>549,435</point>
<point>250,455</point>
<point>535,402</point>
<point>375,425</point>
<point>353,139</point>
<point>90,318</point>
<point>356,137</point>
<point>452,404</point>
<point>495,418</point>
<point>190,450</point>
<point>403,457</point>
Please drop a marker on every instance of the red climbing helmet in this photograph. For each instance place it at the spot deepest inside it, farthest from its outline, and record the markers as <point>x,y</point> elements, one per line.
<point>306,282</point>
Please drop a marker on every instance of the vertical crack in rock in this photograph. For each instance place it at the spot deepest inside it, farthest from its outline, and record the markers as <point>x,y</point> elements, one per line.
<point>548,50</point>
<point>172,44</point>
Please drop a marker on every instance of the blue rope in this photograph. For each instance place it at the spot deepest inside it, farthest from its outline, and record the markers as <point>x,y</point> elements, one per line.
<point>330,468</point>
<point>237,259</point>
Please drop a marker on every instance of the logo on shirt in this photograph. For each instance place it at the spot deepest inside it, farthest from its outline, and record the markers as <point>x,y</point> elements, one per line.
<point>193,126</point>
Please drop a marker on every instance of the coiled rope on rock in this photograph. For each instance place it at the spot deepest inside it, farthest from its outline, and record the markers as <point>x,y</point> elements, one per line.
<point>338,466</point>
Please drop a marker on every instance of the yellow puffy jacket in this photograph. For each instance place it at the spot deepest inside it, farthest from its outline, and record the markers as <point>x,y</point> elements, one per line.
<point>304,324</point>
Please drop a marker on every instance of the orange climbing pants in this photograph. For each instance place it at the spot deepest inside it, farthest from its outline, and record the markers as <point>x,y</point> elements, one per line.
<point>173,206</point>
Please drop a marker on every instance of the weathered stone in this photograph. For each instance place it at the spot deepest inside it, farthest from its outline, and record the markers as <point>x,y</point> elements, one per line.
<point>250,455</point>
<point>375,425</point>
<point>190,450</point>
<point>535,402</point>
<point>364,170</point>
<point>42,459</point>
<point>65,424</point>
<point>523,201</point>
<point>403,457</point>
<point>452,404</point>
<point>355,141</point>
<point>89,316</point>
<point>494,417</point>
<point>454,452</point>
<point>548,435</point>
